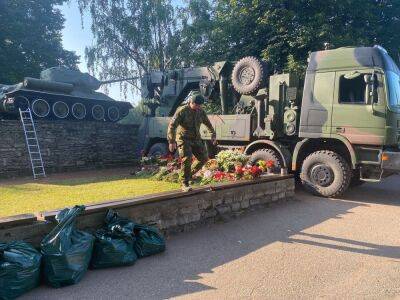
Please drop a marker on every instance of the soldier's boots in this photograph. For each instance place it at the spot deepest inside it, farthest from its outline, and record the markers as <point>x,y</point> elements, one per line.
<point>186,187</point>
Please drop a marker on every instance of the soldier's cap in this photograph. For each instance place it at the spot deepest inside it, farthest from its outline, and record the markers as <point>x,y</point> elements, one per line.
<point>197,99</point>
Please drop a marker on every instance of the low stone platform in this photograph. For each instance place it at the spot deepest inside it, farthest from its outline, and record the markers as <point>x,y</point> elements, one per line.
<point>170,212</point>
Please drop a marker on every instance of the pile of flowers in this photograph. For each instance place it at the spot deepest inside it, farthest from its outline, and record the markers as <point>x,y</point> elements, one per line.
<point>228,165</point>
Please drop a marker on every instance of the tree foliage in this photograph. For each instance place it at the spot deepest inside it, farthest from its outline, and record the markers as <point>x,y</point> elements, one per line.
<point>283,32</point>
<point>131,36</point>
<point>30,39</point>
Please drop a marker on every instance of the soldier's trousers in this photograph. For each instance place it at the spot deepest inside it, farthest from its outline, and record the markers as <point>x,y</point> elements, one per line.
<point>187,150</point>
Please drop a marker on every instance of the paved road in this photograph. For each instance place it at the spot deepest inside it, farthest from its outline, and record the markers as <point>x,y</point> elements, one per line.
<point>311,247</point>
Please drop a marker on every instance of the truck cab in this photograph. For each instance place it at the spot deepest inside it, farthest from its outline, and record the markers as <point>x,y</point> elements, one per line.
<point>350,105</point>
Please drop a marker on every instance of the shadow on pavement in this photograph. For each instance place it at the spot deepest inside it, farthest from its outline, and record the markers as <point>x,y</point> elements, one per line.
<point>191,254</point>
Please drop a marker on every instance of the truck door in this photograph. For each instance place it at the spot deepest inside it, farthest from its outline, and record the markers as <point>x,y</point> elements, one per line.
<point>353,114</point>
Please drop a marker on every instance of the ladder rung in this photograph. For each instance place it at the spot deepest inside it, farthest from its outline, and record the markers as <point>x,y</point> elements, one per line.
<point>35,167</point>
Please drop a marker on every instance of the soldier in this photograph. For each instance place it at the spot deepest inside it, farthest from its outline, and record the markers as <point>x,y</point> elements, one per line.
<point>184,134</point>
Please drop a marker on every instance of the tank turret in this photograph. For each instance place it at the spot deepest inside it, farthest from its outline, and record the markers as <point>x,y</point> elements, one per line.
<point>62,93</point>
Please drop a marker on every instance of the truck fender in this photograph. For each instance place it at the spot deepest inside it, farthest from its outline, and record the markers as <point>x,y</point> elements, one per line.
<point>302,144</point>
<point>283,152</point>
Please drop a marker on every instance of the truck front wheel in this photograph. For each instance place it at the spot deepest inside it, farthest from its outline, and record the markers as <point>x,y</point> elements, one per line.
<point>325,173</point>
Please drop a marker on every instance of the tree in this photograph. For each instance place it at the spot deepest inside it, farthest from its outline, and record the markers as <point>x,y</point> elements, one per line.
<point>283,32</point>
<point>131,36</point>
<point>30,39</point>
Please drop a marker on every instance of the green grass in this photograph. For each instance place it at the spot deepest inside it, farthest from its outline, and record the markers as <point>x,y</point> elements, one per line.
<point>41,196</point>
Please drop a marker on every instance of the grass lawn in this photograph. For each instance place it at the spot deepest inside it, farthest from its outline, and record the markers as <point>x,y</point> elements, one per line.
<point>53,194</point>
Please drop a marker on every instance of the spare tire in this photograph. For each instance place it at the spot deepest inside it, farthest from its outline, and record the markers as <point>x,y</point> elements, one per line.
<point>248,75</point>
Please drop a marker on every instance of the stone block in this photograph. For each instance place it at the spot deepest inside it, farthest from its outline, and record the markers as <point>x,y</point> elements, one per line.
<point>245,203</point>
<point>235,206</point>
<point>254,201</point>
<point>223,209</point>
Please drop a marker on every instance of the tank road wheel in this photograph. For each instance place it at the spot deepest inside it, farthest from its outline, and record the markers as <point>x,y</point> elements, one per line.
<point>21,102</point>
<point>113,114</point>
<point>60,110</point>
<point>158,149</point>
<point>325,173</point>
<point>98,113</point>
<point>248,75</point>
<point>40,108</point>
<point>79,111</point>
<point>266,154</point>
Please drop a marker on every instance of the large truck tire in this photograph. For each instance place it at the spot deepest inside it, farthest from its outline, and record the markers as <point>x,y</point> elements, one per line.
<point>266,154</point>
<point>325,173</point>
<point>248,75</point>
<point>158,149</point>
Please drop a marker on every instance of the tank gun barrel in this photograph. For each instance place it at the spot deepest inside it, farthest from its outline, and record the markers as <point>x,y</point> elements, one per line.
<point>119,80</point>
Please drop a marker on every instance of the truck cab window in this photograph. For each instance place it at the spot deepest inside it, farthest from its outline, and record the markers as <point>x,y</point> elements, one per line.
<point>352,90</point>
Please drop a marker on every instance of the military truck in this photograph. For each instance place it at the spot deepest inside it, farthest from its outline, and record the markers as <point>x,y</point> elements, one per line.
<point>62,94</point>
<point>335,127</point>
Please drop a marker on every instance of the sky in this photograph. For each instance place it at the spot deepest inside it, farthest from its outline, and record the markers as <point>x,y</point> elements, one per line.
<point>76,38</point>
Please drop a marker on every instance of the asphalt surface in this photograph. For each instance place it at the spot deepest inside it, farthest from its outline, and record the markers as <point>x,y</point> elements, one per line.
<point>307,248</point>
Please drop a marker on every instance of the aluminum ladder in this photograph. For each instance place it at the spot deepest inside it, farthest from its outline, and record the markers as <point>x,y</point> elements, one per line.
<point>32,143</point>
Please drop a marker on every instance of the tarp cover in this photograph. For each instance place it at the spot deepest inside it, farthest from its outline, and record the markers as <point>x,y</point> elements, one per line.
<point>66,250</point>
<point>19,269</point>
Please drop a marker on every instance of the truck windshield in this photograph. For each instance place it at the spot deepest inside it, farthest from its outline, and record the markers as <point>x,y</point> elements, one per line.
<point>393,82</point>
<point>394,88</point>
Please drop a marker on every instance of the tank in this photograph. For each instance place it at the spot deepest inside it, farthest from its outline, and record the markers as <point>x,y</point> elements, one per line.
<point>62,94</point>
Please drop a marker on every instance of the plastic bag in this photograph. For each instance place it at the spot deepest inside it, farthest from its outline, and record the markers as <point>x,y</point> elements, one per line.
<point>114,219</point>
<point>149,241</point>
<point>113,246</point>
<point>19,269</point>
<point>66,250</point>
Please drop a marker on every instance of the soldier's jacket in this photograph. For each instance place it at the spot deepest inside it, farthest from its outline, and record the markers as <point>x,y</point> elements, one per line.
<point>185,124</point>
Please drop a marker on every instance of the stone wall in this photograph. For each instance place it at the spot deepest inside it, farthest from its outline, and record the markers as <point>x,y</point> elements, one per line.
<point>170,212</point>
<point>67,145</point>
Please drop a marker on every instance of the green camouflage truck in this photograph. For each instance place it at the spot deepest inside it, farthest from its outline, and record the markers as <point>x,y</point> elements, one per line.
<point>336,127</point>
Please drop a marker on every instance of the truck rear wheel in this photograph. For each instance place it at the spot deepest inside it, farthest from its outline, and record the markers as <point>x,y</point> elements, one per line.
<point>325,173</point>
<point>158,149</point>
<point>266,154</point>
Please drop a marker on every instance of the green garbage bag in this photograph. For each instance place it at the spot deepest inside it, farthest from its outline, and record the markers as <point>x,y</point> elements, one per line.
<point>149,241</point>
<point>114,219</point>
<point>66,251</point>
<point>113,248</point>
<point>19,269</point>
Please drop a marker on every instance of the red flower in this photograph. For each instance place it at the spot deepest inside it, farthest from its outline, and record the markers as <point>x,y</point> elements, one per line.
<point>239,170</point>
<point>255,171</point>
<point>219,175</point>
<point>270,164</point>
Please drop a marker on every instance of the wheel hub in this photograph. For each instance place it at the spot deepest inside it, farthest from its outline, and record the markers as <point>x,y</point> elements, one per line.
<point>322,175</point>
<point>247,75</point>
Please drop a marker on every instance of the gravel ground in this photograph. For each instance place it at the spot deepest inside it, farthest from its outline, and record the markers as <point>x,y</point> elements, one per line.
<point>307,248</point>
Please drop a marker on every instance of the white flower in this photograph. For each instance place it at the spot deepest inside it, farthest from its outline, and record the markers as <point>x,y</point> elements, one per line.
<point>208,174</point>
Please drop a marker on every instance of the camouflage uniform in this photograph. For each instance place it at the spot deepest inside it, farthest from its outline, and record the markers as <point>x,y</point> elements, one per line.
<point>184,128</point>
